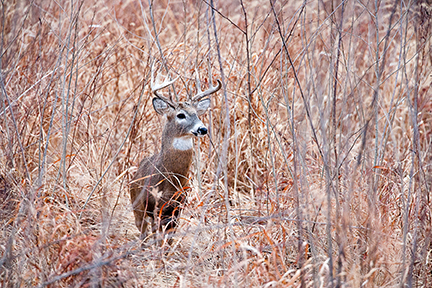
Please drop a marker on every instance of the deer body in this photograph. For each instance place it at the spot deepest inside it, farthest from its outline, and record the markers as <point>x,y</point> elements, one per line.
<point>157,188</point>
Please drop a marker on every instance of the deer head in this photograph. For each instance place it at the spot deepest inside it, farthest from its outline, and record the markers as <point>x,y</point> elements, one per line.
<point>182,117</point>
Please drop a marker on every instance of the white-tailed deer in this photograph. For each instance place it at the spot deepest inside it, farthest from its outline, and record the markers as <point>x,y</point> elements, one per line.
<point>157,188</point>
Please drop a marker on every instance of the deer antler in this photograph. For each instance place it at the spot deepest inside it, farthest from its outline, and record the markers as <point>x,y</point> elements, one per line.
<point>157,85</point>
<point>201,94</point>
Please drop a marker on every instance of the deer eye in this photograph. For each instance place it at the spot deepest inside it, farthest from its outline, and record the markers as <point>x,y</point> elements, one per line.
<point>181,116</point>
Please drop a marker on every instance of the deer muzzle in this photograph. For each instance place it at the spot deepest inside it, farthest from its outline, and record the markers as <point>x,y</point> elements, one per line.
<point>201,131</point>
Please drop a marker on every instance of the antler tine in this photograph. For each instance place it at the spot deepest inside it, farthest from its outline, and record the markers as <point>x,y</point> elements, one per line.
<point>198,83</point>
<point>202,94</point>
<point>157,85</point>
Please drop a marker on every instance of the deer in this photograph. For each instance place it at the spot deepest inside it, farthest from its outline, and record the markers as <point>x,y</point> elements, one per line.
<point>158,188</point>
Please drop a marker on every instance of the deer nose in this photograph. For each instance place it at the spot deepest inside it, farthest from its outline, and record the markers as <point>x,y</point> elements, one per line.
<point>202,131</point>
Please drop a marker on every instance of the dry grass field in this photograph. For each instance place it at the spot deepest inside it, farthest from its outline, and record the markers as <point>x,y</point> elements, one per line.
<point>316,172</point>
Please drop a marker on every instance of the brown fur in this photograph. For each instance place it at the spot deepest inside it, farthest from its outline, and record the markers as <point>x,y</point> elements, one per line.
<point>152,178</point>
<point>157,189</point>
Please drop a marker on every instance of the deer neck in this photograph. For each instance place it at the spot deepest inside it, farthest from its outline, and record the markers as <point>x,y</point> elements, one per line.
<point>176,154</point>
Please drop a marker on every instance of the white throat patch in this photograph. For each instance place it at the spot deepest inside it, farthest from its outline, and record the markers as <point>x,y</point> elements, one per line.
<point>183,143</point>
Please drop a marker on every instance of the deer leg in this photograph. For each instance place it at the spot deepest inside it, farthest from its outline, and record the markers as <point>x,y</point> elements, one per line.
<point>143,229</point>
<point>141,222</point>
<point>142,205</point>
<point>157,229</point>
<point>170,222</point>
<point>155,224</point>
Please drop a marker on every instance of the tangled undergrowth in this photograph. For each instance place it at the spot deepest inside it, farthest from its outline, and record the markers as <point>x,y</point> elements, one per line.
<point>316,171</point>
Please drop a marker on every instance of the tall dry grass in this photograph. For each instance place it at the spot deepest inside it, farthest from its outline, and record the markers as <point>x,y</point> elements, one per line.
<point>316,172</point>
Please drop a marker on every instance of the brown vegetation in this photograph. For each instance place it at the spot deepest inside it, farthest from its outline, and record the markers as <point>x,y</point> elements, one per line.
<point>316,172</point>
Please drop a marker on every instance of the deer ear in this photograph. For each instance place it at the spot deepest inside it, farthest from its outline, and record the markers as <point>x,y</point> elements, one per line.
<point>202,106</point>
<point>160,106</point>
